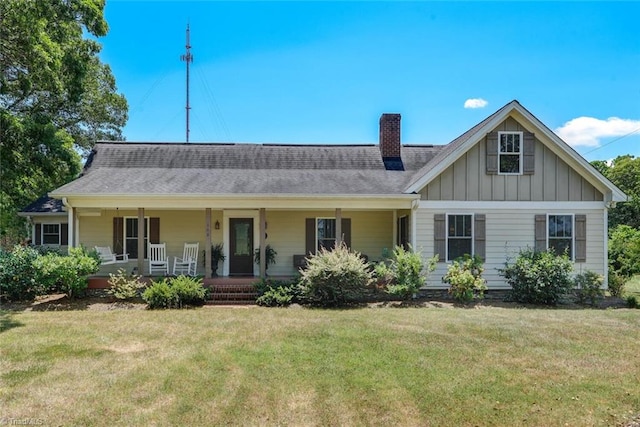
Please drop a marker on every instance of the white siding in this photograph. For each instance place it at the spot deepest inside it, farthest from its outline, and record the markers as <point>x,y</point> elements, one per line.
<point>508,231</point>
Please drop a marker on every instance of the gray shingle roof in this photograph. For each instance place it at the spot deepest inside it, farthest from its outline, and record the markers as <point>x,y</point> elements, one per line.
<point>44,204</point>
<point>211,169</point>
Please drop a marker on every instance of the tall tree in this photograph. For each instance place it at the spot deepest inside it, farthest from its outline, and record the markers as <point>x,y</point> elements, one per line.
<point>624,172</point>
<point>56,98</point>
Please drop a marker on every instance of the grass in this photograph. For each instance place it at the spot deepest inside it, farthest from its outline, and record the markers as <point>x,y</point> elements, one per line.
<point>632,287</point>
<point>382,366</point>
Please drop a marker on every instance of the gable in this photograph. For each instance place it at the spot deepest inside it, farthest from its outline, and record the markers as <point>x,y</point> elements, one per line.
<point>551,177</point>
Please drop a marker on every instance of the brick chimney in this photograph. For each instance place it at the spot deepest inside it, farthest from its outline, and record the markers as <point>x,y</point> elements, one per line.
<point>390,135</point>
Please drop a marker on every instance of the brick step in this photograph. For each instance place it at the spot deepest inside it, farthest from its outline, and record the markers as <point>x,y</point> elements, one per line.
<point>232,295</point>
<point>230,302</point>
<point>232,289</point>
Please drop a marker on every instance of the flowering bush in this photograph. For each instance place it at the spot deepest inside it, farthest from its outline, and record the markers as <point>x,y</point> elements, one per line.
<point>464,277</point>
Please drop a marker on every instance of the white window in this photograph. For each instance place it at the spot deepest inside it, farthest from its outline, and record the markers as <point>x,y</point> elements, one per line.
<point>51,234</point>
<point>325,233</point>
<point>459,235</point>
<point>510,153</point>
<point>131,236</point>
<point>560,234</point>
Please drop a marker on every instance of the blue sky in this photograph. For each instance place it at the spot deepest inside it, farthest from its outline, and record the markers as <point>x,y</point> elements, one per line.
<point>324,72</point>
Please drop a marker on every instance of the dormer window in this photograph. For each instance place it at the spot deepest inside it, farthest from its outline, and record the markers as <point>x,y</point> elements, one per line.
<point>510,153</point>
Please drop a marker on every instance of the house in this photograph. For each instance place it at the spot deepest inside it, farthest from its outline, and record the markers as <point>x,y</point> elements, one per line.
<point>505,184</point>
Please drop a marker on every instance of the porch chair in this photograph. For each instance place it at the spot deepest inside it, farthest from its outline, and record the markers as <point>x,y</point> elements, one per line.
<point>189,261</point>
<point>107,257</point>
<point>158,260</point>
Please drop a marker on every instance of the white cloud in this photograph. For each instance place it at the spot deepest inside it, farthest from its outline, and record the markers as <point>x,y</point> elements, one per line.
<point>475,103</point>
<point>587,131</point>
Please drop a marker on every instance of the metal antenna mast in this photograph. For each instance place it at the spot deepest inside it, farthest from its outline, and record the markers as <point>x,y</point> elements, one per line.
<point>188,58</point>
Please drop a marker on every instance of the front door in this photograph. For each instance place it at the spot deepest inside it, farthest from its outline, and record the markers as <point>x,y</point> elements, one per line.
<point>241,246</point>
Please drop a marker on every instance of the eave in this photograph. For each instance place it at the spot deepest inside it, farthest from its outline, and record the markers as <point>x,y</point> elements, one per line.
<point>241,201</point>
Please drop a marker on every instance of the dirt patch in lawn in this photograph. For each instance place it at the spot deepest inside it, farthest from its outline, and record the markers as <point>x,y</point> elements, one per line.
<point>96,301</point>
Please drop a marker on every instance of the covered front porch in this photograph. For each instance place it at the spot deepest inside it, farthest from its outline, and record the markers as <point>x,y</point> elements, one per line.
<point>293,230</point>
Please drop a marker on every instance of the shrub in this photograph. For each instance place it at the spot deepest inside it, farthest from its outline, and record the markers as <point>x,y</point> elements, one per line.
<point>276,293</point>
<point>159,295</point>
<point>124,286</point>
<point>588,287</point>
<point>335,277</point>
<point>538,277</point>
<point>175,293</point>
<point>66,273</point>
<point>616,283</point>
<point>188,290</point>
<point>632,301</point>
<point>464,277</point>
<point>276,297</point>
<point>624,250</point>
<point>18,278</point>
<point>405,272</point>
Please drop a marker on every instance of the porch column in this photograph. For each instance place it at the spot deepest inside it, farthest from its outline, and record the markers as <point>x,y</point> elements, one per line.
<point>394,225</point>
<point>263,230</point>
<point>207,243</point>
<point>76,228</point>
<point>141,241</point>
<point>338,226</point>
<point>71,214</point>
<point>414,223</point>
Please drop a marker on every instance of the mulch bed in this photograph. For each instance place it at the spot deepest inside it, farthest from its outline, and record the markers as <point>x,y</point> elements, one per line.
<point>100,300</point>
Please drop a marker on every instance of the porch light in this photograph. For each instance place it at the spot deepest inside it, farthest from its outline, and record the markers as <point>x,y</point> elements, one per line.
<point>217,225</point>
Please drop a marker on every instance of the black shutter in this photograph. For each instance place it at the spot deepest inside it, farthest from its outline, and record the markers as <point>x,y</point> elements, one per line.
<point>118,235</point>
<point>346,231</point>
<point>38,236</point>
<point>541,233</point>
<point>310,236</point>
<point>529,148</point>
<point>492,153</point>
<point>581,238</point>
<point>64,234</point>
<point>154,230</point>
<point>479,236</point>
<point>439,237</point>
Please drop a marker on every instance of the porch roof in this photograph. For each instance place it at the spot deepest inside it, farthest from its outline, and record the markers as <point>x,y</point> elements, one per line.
<point>44,206</point>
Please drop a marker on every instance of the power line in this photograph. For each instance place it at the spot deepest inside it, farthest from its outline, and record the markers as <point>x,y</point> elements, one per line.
<point>214,109</point>
<point>612,141</point>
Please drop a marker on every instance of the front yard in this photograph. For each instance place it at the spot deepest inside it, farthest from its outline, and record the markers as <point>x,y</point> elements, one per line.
<point>487,365</point>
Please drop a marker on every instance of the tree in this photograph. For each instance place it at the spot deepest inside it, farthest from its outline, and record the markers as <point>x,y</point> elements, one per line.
<point>624,172</point>
<point>56,98</point>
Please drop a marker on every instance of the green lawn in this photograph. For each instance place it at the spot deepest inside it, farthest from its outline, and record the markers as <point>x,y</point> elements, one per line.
<point>369,366</point>
<point>632,287</point>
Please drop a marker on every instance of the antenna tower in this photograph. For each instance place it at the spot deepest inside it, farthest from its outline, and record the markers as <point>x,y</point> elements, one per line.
<point>188,58</point>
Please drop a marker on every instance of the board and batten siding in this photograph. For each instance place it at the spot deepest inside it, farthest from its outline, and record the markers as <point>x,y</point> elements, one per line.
<point>508,231</point>
<point>467,179</point>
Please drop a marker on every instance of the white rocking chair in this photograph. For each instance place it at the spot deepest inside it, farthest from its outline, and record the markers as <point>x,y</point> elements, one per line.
<point>158,260</point>
<point>188,264</point>
<point>107,257</point>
